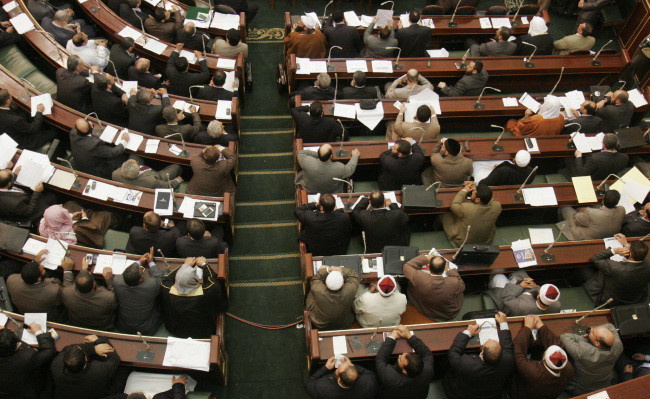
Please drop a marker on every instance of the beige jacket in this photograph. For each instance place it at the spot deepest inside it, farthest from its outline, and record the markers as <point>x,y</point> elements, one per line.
<point>463,213</point>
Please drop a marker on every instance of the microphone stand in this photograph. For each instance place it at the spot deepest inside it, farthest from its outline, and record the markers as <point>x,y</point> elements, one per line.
<point>164,259</point>
<point>479,104</point>
<point>190,91</point>
<point>374,335</point>
<point>558,82</point>
<point>96,132</point>
<point>464,241</point>
<point>76,185</point>
<point>548,257</point>
<point>424,151</point>
<point>204,36</point>
<point>519,197</point>
<point>325,9</point>
<point>56,46</point>
<point>95,9</point>
<point>372,262</point>
<point>25,98</point>
<point>9,317</point>
<point>336,89</point>
<point>451,23</point>
<point>348,205</point>
<point>598,63</point>
<point>114,70</point>
<point>184,153</point>
<point>514,19</point>
<point>599,192</point>
<point>144,355</point>
<point>496,147</point>
<point>144,35</point>
<point>397,66</point>
<point>341,153</point>
<point>570,144</point>
<point>436,200</point>
<point>527,61</point>
<point>462,64</point>
<point>392,3</point>
<point>581,329</point>
<point>331,68</point>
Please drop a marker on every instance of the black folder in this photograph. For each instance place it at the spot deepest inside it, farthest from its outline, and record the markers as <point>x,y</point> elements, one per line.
<point>350,261</point>
<point>630,137</point>
<point>475,254</point>
<point>395,257</point>
<point>12,238</point>
<point>417,197</point>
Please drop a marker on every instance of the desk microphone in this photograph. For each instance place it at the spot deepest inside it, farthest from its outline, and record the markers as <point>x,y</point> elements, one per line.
<point>392,3</point>
<point>496,147</point>
<point>462,64</point>
<point>519,197</point>
<point>570,144</point>
<point>28,95</point>
<point>56,45</point>
<point>451,23</point>
<point>144,35</point>
<point>190,91</point>
<point>164,259</point>
<point>528,61</point>
<point>421,137</point>
<point>547,257</point>
<point>624,84</point>
<point>374,335</point>
<point>514,22</point>
<point>184,153</point>
<point>433,184</point>
<point>95,9</point>
<point>114,70</point>
<point>76,185</point>
<point>329,57</point>
<point>347,206</point>
<point>600,192</point>
<point>644,237</point>
<point>204,36</point>
<point>582,329</point>
<point>336,89</point>
<point>146,345</point>
<point>397,66</point>
<point>96,132</point>
<point>597,63</point>
<point>558,82</point>
<point>325,9</point>
<point>341,153</point>
<point>479,104</point>
<point>464,241</point>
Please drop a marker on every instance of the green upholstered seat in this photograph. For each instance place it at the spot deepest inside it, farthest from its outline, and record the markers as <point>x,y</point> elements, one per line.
<point>611,16</point>
<point>488,303</point>
<point>19,65</point>
<point>507,234</point>
<point>436,390</point>
<point>162,332</point>
<point>183,187</point>
<point>365,186</point>
<point>114,239</point>
<point>198,395</point>
<point>471,303</point>
<point>426,240</point>
<point>575,298</point>
<point>556,178</point>
<point>540,179</point>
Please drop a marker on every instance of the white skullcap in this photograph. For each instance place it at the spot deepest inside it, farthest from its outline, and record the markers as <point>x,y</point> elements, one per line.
<point>549,294</point>
<point>555,357</point>
<point>334,280</point>
<point>522,158</point>
<point>309,21</point>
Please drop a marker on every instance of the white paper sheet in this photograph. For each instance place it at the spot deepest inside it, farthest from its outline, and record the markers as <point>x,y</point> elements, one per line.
<point>3,319</point>
<point>485,23</point>
<point>191,58</point>
<point>7,150</point>
<point>46,100</point>
<point>541,236</point>
<point>339,202</point>
<point>426,96</point>
<point>223,110</point>
<point>62,179</point>
<point>33,247</point>
<point>637,98</point>
<point>527,101</point>
<point>356,65</point>
<point>533,147</point>
<point>523,252</point>
<point>384,17</point>
<point>155,46</point>
<point>185,106</point>
<point>345,111</point>
<point>151,383</point>
<point>440,53</point>
<point>174,149</point>
<point>574,98</point>
<point>101,191</point>
<point>340,345</point>
<point>428,22</point>
<point>226,63</point>
<point>32,176</point>
<point>633,174</point>
<point>524,20</point>
<point>22,24</point>
<point>611,242</point>
<point>499,22</point>
<point>635,190</point>
<point>130,32</point>
<point>542,196</point>
<point>351,18</point>
<point>366,20</point>
<point>10,6</point>
<point>303,66</point>
<point>108,135</point>
<point>118,264</point>
<point>40,319</point>
<point>128,86</point>
<point>152,146</point>
<point>488,330</point>
<point>382,66</point>
<point>134,141</point>
<point>599,395</point>
<point>314,17</point>
<point>581,143</point>
<point>318,66</point>
<point>404,19</point>
<point>483,168</point>
<point>225,21</point>
<point>187,354</point>
<point>509,101</point>
<point>370,117</point>
<point>56,252</point>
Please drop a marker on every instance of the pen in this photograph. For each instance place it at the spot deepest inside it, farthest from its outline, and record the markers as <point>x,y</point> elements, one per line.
<point>350,343</point>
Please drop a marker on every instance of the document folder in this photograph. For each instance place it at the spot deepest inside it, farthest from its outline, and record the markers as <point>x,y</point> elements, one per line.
<point>417,197</point>
<point>630,137</point>
<point>350,261</point>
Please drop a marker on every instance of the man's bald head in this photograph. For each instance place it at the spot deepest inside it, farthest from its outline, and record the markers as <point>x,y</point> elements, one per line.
<point>325,152</point>
<point>412,76</point>
<point>437,265</point>
<point>82,126</point>
<point>491,352</point>
<point>189,29</point>
<point>142,65</point>
<point>620,96</point>
<point>602,337</point>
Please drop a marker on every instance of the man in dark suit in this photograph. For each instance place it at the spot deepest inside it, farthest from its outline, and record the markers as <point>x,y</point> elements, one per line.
<point>109,101</point>
<point>242,6</point>
<point>358,88</point>
<point>586,118</point>
<point>73,89</point>
<point>325,229</point>
<point>401,165</point>
<point>511,173</point>
<point>89,305</point>
<point>339,34</point>
<point>311,127</point>
<point>385,223</point>
<point>199,242</point>
<point>85,370</point>
<point>62,28</point>
<point>8,36</point>
<point>92,155</point>
<point>497,46</point>
<point>410,376</point>
<point>162,26</point>
<point>469,85</point>
<point>598,165</point>
<point>347,381</point>
<point>180,79</point>
<point>171,115</point>
<point>144,116</point>
<point>217,133</point>
<point>615,110</point>
<point>192,39</point>
<point>141,239</point>
<point>29,136</point>
<point>215,90</point>
<point>21,366</point>
<point>415,39</point>
<point>130,12</point>
<point>17,204</point>
<point>321,90</point>
<point>636,367</point>
<point>122,57</point>
<point>488,373</point>
<point>140,73</point>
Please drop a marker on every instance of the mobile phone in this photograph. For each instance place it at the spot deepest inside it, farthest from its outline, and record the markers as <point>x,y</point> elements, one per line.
<point>94,185</point>
<point>54,334</point>
<point>89,259</point>
<point>166,224</point>
<point>227,111</point>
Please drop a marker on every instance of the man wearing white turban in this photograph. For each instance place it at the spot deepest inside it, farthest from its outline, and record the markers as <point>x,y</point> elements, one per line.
<point>546,122</point>
<point>329,301</point>
<point>537,36</point>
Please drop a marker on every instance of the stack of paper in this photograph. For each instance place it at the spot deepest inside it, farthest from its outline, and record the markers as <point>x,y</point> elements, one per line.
<point>155,46</point>
<point>382,66</point>
<point>8,148</point>
<point>38,318</point>
<point>302,66</point>
<point>541,236</point>
<point>345,111</point>
<point>531,145</point>
<point>33,247</point>
<point>523,252</point>
<point>370,117</point>
<point>188,208</point>
<point>425,97</point>
<point>191,58</point>
<point>108,135</point>
<point>57,250</point>
<point>527,101</point>
<point>152,146</point>
<point>339,345</point>
<point>483,168</point>
<point>612,242</point>
<point>226,63</point>
<point>223,110</point>
<point>62,179</point>
<point>134,141</point>
<point>35,168</point>
<point>509,101</point>
<point>488,330</point>
<point>428,22</point>
<point>351,18</point>
<point>485,23</point>
<point>499,22</point>
<point>584,188</point>
<point>185,106</point>
<point>637,98</point>
<point>187,354</point>
<point>203,19</point>
<point>22,24</point>
<point>632,174</point>
<point>442,53</point>
<point>225,21</point>
<point>543,196</point>
<point>10,6</point>
<point>46,100</point>
<point>164,202</point>
<point>124,195</point>
<point>378,266</point>
<point>317,66</point>
<point>356,65</point>
<point>150,383</point>
<point>366,20</point>
<point>130,32</point>
<point>230,79</point>
<point>101,190</point>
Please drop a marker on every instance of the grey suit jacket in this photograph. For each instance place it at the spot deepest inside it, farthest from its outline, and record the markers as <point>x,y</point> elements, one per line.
<point>517,301</point>
<point>468,85</point>
<point>595,223</point>
<point>626,282</point>
<point>148,179</point>
<point>138,308</point>
<point>404,92</point>
<point>143,118</point>
<point>376,47</point>
<point>316,175</point>
<point>491,49</point>
<point>95,309</point>
<point>187,131</point>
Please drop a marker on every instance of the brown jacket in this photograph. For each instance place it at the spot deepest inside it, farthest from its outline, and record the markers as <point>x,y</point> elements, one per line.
<point>332,310</point>
<point>463,213</point>
<point>535,126</point>
<point>164,30</point>
<point>595,223</point>
<point>400,129</point>
<point>95,309</point>
<point>438,298</point>
<point>43,297</point>
<point>450,170</point>
<point>305,45</point>
<point>212,180</point>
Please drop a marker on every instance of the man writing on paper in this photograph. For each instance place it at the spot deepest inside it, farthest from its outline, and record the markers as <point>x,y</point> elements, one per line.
<point>448,165</point>
<point>410,84</point>
<point>330,298</point>
<point>637,223</point>
<point>380,302</point>
<point>424,126</point>
<point>13,121</point>
<point>598,165</point>
<point>384,223</point>
<point>325,229</point>
<point>318,170</point>
<point>518,295</point>
<point>92,155</point>
<point>469,85</point>
<point>593,223</point>
<point>18,204</point>
<point>511,173</point>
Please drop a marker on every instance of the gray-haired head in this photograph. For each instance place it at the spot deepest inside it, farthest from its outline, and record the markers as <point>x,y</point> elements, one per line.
<point>324,80</point>
<point>214,129</point>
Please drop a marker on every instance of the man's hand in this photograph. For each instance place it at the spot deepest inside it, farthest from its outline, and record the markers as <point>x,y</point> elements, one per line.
<point>403,331</point>
<point>408,139</point>
<point>70,12</point>
<point>144,258</point>
<point>179,47</point>
<point>41,255</point>
<point>402,108</point>
<point>90,338</point>
<point>94,69</point>
<point>103,349</point>
<point>387,202</point>
<point>473,329</point>
<point>125,137</point>
<point>538,322</point>
<point>529,321</point>
<point>621,238</point>
<point>10,29</point>
<point>200,261</point>
<point>182,379</point>
<point>500,317</point>
<point>330,363</point>
<point>40,108</point>
<point>198,54</point>
<point>528,112</point>
<point>601,104</point>
<point>639,357</point>
<point>180,115</point>
<point>467,186</point>
<point>67,264</point>
<point>193,108</point>
<point>179,179</point>
<point>624,252</point>
<point>101,42</point>
<point>171,224</point>
<point>84,264</point>
<point>107,273</point>
<point>34,328</point>
<point>17,171</point>
<point>162,91</point>
<point>581,3</point>
<point>39,187</point>
<point>110,78</point>
<point>374,19</point>
<point>628,368</point>
<point>441,85</point>
<point>207,234</point>
<point>336,269</point>
<point>577,154</point>
<point>125,98</point>
<point>373,287</point>
<point>576,113</point>
<point>356,152</point>
<point>190,261</point>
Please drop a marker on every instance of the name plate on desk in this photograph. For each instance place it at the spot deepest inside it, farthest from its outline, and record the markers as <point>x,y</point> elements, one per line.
<point>418,197</point>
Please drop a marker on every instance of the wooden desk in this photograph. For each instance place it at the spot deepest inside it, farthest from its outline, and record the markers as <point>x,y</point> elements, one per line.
<point>506,73</point>
<point>636,388</point>
<point>127,346</point>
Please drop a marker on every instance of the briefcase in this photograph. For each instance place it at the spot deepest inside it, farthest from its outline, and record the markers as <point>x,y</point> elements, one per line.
<point>395,257</point>
<point>630,137</point>
<point>632,319</point>
<point>5,302</point>
<point>598,92</point>
<point>12,238</point>
<point>476,254</point>
<point>350,261</point>
<point>416,196</point>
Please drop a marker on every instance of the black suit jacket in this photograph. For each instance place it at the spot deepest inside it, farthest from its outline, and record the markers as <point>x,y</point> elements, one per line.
<point>396,384</point>
<point>17,127</point>
<point>313,93</point>
<point>144,79</point>
<point>315,130</point>
<point>212,93</point>
<point>396,172</point>
<point>192,42</point>
<point>413,40</point>
<point>544,45</point>
<point>223,140</point>
<point>129,15</point>
<point>344,36</point>
<point>122,61</point>
<point>61,35</point>
<point>143,118</point>
<point>588,124</point>
<point>95,157</point>
<point>109,106</point>
<point>600,164</point>
<point>360,92</point>
<point>323,384</point>
<point>73,90</point>
<point>615,116</point>
<point>508,173</point>
<point>382,226</point>
<point>177,392</point>
<point>22,371</point>
<point>140,241</point>
<point>208,247</point>
<point>180,82</point>
<point>324,233</point>
<point>470,377</point>
<point>19,205</point>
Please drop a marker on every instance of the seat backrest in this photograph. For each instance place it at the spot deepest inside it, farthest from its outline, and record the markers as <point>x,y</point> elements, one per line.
<point>529,9</point>
<point>579,52</point>
<point>497,10</point>
<point>466,10</point>
<point>224,9</point>
<point>432,10</point>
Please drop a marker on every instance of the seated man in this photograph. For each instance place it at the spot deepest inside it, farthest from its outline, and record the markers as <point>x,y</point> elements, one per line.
<point>381,304</point>
<point>590,11</point>
<point>305,40</point>
<point>230,47</point>
<point>415,39</point>
<point>13,121</point>
<point>593,223</point>
<point>179,75</point>
<point>151,234</point>
<point>411,375</point>
<point>140,73</point>
<point>133,174</point>
<point>330,298</point>
<point>499,47</point>
<point>92,155</point>
<point>321,90</point>
<point>594,356</point>
<point>637,223</point>
<point>18,204</point>
<point>615,111</point>
<point>358,88</point>
<point>217,133</point>
<point>192,39</point>
<point>384,223</point>
<point>471,84</point>
<point>347,381</point>
<point>448,165</point>
<point>172,116</point>
<point>319,172</point>
<point>32,291</point>
<point>582,40</point>
<point>312,127</point>
<point>546,379</point>
<point>143,115</point>
<point>162,26</point>
<point>62,28</point>
<point>600,164</point>
<point>325,229</point>
<point>401,165</point>
<point>637,367</point>
<point>480,212</point>
<point>547,121</point>
<point>410,84</point>
<point>41,9</point>
<point>73,89</point>
<point>216,91</point>
<point>93,53</point>
<point>89,306</point>
<point>339,34</point>
<point>488,372</point>
<point>511,173</point>
<point>626,282</point>
<point>424,126</point>
<point>21,366</point>
<point>376,45</point>
<point>435,288</point>
<point>520,296</point>
<point>109,101</point>
<point>8,35</point>
<point>138,309</point>
<point>211,175</point>
<point>242,6</point>
<point>200,242</point>
<point>85,370</point>
<point>191,304</point>
<point>131,12</point>
<point>586,118</point>
<point>122,57</point>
